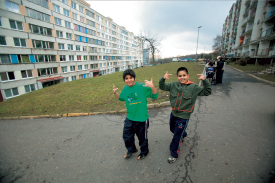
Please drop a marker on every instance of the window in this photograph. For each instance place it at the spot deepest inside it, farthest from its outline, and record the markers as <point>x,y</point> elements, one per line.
<point>64,69</point>
<point>91,32</point>
<point>5,59</point>
<point>43,3</point>
<point>93,49</point>
<point>12,6</point>
<point>11,92</point>
<point>57,21</point>
<point>23,58</point>
<point>81,19</point>
<point>19,42</point>
<point>26,74</point>
<point>94,66</point>
<point>29,88</point>
<point>62,58</point>
<point>47,71</point>
<point>80,67</point>
<point>40,30</point>
<point>89,13</point>
<point>56,8</point>
<point>73,78</point>
<point>77,47</point>
<point>93,57</point>
<point>84,48</point>
<point>61,46</point>
<point>81,9</point>
<point>45,58</point>
<point>59,33</point>
<point>70,47</point>
<point>113,26</point>
<point>6,76</point>
<point>71,58</point>
<point>68,35</point>
<point>37,15</point>
<point>73,5</point>
<point>72,68</point>
<point>86,66</point>
<point>77,37</point>
<point>74,16</point>
<point>65,2</point>
<point>2,40</point>
<point>91,23</point>
<point>66,79</point>
<point>42,44</point>
<point>16,25</point>
<point>78,57</point>
<point>0,22</point>
<point>66,12</point>
<point>67,24</point>
<point>85,57</point>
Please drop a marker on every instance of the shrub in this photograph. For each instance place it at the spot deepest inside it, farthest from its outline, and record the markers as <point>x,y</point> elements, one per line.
<point>242,61</point>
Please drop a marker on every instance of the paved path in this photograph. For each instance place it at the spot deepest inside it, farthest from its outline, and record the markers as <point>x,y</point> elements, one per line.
<point>231,139</point>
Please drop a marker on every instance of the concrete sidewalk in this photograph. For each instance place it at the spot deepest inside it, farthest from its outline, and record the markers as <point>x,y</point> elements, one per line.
<point>231,137</point>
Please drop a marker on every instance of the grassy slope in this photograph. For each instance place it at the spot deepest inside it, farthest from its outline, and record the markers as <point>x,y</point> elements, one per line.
<point>89,95</point>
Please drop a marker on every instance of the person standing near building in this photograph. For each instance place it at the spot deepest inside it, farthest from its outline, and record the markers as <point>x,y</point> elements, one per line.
<point>220,65</point>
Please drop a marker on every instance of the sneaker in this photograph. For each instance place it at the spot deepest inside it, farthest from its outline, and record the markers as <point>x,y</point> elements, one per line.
<point>128,155</point>
<point>183,139</point>
<point>171,159</point>
<point>142,156</point>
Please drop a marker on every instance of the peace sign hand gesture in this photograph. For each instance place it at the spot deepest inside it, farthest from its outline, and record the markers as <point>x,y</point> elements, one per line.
<point>166,76</point>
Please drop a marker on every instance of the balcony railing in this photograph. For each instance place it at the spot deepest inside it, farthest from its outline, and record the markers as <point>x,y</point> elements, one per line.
<point>249,28</point>
<point>267,32</point>
<point>270,13</point>
<point>246,10</point>
<point>263,52</point>
<point>246,54</point>
<point>247,41</point>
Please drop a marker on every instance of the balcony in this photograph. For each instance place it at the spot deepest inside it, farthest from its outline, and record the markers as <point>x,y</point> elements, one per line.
<point>246,54</point>
<point>247,41</point>
<point>246,11</point>
<point>269,13</point>
<point>263,52</point>
<point>267,32</point>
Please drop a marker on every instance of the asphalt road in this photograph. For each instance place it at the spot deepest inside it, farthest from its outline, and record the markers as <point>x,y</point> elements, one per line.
<point>231,139</point>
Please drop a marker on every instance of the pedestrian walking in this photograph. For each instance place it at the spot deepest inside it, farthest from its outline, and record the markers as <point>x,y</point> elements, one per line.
<point>183,95</point>
<point>135,95</point>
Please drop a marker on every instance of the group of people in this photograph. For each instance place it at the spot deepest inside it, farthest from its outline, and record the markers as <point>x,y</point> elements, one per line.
<point>215,69</point>
<point>183,95</point>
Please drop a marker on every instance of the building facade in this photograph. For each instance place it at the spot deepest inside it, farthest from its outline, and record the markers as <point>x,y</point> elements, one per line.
<point>146,56</point>
<point>248,31</point>
<point>46,42</point>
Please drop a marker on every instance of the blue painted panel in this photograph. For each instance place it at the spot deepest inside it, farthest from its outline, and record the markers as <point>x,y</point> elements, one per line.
<point>86,40</point>
<point>96,41</point>
<point>79,28</point>
<point>85,30</point>
<point>14,59</point>
<point>80,39</point>
<point>32,58</point>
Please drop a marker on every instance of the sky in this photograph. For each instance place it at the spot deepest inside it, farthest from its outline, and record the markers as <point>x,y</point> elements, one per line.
<point>174,22</point>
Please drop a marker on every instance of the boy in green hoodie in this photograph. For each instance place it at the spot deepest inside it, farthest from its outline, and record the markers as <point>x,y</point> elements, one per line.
<point>183,95</point>
<point>135,95</point>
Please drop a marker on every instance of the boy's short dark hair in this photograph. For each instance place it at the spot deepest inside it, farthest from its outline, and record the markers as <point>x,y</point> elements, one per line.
<point>211,63</point>
<point>129,72</point>
<point>182,69</point>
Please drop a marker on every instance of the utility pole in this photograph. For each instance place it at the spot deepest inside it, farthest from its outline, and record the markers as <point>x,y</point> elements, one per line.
<point>197,44</point>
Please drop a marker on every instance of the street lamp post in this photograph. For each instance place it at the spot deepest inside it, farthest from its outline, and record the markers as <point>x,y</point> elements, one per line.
<point>197,44</point>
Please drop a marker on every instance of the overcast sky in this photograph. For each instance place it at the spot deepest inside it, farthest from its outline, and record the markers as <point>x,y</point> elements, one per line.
<point>176,22</point>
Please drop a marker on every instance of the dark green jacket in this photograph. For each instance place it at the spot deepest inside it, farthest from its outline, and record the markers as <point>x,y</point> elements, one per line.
<point>183,97</point>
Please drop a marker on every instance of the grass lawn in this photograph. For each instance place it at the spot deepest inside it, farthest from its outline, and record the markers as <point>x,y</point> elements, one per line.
<point>248,67</point>
<point>269,77</point>
<point>91,94</point>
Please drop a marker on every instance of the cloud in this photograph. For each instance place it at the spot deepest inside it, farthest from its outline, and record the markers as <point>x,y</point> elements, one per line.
<point>176,22</point>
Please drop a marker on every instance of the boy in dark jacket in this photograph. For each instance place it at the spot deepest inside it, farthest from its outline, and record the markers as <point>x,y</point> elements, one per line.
<point>135,95</point>
<point>183,95</point>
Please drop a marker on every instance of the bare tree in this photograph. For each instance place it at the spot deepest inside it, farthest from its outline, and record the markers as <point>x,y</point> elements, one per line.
<point>217,46</point>
<point>151,41</point>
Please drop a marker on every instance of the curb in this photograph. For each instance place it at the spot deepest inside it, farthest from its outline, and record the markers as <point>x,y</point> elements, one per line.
<point>263,80</point>
<point>149,106</point>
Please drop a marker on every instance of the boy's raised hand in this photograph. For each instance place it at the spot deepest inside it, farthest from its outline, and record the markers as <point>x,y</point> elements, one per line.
<point>201,76</point>
<point>166,76</point>
<point>149,83</point>
<point>114,89</point>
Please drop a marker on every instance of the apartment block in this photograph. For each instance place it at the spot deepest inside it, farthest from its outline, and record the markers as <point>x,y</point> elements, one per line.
<point>248,31</point>
<point>46,42</point>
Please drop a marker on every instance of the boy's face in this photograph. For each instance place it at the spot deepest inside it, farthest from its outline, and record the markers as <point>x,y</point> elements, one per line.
<point>183,77</point>
<point>130,80</point>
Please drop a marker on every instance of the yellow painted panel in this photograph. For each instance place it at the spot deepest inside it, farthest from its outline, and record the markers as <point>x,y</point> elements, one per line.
<point>22,10</point>
<point>73,37</point>
<point>57,58</point>
<point>50,4</point>
<point>59,70</point>
<point>54,32</point>
<point>77,77</point>
<point>56,46</point>
<point>29,43</point>
<point>34,73</point>
<point>26,27</point>
<point>71,14</point>
<point>52,20</point>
